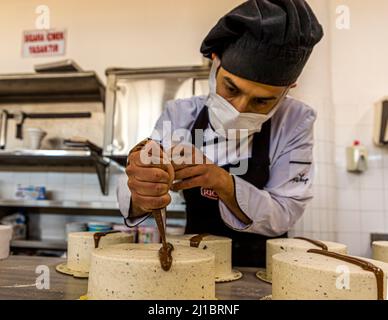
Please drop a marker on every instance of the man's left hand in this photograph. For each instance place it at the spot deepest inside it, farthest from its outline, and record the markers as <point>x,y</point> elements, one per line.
<point>194,169</point>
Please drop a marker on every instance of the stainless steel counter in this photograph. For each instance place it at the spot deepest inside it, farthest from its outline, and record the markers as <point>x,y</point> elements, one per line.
<point>18,277</point>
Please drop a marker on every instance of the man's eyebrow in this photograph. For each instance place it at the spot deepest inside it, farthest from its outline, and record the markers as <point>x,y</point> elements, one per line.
<point>267,98</point>
<point>234,86</point>
<point>231,83</point>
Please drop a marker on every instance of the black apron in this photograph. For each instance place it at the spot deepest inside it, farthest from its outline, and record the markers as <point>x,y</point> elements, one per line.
<point>203,215</point>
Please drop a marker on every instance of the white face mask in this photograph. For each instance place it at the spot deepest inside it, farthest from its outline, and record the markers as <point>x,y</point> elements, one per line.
<point>225,119</point>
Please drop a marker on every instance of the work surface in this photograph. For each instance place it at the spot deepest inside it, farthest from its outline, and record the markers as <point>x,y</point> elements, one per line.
<point>18,275</point>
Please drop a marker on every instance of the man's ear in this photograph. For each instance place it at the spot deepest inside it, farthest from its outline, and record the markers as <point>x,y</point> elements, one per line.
<point>214,56</point>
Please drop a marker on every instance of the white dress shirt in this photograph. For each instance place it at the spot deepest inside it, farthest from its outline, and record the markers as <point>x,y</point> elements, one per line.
<point>276,208</point>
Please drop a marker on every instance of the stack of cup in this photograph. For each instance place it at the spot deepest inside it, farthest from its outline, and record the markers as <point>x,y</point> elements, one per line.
<point>34,138</point>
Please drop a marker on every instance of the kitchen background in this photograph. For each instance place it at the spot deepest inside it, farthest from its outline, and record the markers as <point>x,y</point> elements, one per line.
<point>345,77</point>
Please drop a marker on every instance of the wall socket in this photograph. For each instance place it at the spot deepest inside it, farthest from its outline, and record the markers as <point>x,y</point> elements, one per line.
<point>378,237</point>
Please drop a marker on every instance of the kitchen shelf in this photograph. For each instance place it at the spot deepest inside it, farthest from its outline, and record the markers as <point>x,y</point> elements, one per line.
<point>51,87</point>
<point>39,244</point>
<point>74,204</point>
<point>72,158</point>
<point>59,204</point>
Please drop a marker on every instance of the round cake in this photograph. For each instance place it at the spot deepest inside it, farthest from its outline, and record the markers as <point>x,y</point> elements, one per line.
<point>312,276</point>
<point>81,244</point>
<point>220,246</point>
<point>133,271</point>
<point>275,246</point>
<point>380,250</point>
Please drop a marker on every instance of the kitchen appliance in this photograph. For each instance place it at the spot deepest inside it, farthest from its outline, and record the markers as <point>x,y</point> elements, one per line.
<point>381,123</point>
<point>135,98</point>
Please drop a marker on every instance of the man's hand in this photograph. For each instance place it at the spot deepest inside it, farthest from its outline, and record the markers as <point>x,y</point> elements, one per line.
<point>150,176</point>
<point>193,169</point>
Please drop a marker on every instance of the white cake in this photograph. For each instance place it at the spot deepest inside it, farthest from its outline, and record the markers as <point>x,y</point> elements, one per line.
<point>380,250</point>
<point>81,244</point>
<point>222,249</point>
<point>312,276</point>
<point>275,246</point>
<point>133,271</point>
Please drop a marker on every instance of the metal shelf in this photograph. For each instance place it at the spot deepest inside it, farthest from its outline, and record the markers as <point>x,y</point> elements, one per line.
<point>60,158</point>
<point>51,87</point>
<point>59,204</point>
<point>79,205</point>
<point>39,244</point>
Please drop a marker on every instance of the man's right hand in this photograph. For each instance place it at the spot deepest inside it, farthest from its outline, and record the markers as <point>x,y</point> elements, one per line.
<point>148,181</point>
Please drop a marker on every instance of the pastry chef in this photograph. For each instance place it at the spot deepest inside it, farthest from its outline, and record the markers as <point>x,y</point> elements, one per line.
<point>259,50</point>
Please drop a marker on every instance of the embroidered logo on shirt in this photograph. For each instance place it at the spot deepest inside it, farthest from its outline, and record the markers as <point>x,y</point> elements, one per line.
<point>301,178</point>
<point>209,193</point>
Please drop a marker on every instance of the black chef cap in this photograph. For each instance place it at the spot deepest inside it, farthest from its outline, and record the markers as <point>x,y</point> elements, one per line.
<point>266,41</point>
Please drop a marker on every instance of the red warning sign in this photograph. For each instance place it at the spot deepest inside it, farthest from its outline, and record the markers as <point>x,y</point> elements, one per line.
<point>44,43</point>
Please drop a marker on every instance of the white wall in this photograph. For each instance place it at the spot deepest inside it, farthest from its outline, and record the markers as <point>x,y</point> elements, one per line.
<point>357,69</point>
<point>360,78</point>
<point>314,88</point>
<point>122,33</point>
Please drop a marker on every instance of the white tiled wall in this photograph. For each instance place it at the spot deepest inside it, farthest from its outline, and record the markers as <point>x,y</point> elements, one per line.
<point>61,184</point>
<point>358,204</point>
<point>319,218</point>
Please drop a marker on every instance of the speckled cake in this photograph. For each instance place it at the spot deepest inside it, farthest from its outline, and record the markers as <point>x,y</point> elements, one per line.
<point>302,276</point>
<point>275,246</point>
<point>133,271</point>
<point>222,249</point>
<point>81,244</point>
<point>380,250</point>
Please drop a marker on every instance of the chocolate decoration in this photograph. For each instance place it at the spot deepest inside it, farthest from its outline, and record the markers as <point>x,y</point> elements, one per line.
<point>98,235</point>
<point>319,244</point>
<point>365,265</point>
<point>165,256</point>
<point>196,240</point>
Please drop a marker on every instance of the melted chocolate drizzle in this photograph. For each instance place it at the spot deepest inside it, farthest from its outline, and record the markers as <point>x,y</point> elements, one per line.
<point>98,235</point>
<point>365,265</point>
<point>319,244</point>
<point>196,240</point>
<point>165,256</point>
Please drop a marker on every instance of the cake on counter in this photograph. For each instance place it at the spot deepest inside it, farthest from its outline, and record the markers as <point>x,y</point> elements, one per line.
<point>81,244</point>
<point>380,250</point>
<point>308,275</point>
<point>220,246</point>
<point>275,246</point>
<point>133,271</point>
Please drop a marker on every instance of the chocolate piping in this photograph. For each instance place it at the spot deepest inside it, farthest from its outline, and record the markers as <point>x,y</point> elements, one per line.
<point>196,240</point>
<point>165,256</point>
<point>315,242</point>
<point>98,235</point>
<point>365,265</point>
